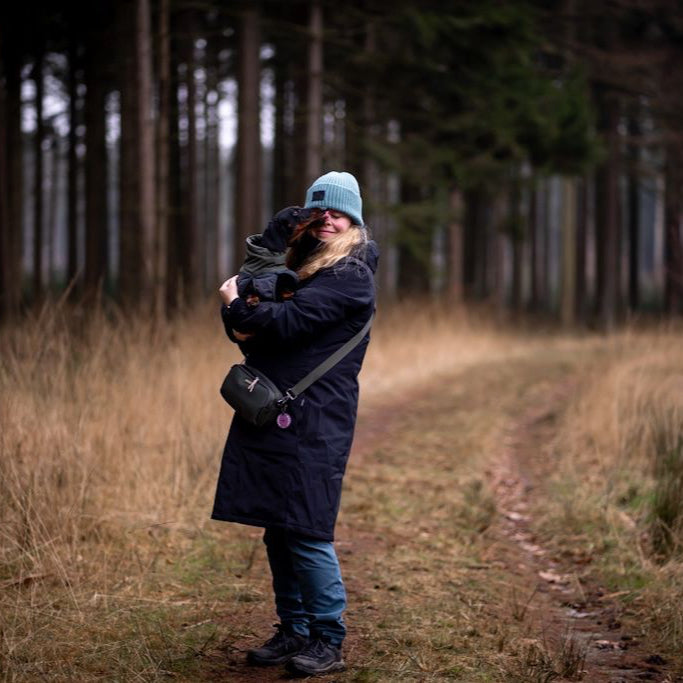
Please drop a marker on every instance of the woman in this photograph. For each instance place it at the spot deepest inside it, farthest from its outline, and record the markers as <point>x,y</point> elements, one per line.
<point>289,480</point>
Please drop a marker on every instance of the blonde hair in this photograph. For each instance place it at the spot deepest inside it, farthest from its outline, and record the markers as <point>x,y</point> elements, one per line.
<point>333,250</point>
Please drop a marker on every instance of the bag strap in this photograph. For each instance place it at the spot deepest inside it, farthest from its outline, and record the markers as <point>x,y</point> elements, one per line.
<point>328,363</point>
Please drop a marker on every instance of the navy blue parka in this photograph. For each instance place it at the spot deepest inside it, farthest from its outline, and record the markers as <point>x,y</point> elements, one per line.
<point>292,478</point>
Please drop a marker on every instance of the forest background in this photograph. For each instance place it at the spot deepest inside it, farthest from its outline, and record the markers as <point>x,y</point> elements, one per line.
<point>526,154</point>
<point>521,165</point>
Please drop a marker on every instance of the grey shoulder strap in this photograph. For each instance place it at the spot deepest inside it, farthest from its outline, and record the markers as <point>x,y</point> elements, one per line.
<point>329,362</point>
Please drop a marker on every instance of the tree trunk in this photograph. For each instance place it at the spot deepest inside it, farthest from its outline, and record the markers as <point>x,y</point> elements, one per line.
<point>315,92</point>
<point>533,246</point>
<point>189,254</point>
<point>607,217</point>
<point>455,247</point>
<point>248,179</point>
<point>546,229</point>
<point>161,225</point>
<point>54,173</point>
<point>516,232</point>
<point>212,165</point>
<point>474,253</point>
<point>146,152</point>
<point>130,230</point>
<point>95,171</point>
<point>13,207</point>
<point>673,215</point>
<point>174,197</point>
<point>72,167</point>
<point>496,259</point>
<point>581,245</point>
<point>633,216</point>
<point>279,177</point>
<point>38,283</point>
<point>6,266</point>
<point>568,289</point>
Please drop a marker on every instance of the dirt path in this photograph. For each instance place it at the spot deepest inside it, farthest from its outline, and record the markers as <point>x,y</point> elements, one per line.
<point>393,552</point>
<point>571,610</point>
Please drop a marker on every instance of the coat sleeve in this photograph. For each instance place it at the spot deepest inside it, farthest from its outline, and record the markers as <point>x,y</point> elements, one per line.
<point>327,300</point>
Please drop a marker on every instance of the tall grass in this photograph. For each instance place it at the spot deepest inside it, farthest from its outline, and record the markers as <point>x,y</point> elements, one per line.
<point>619,480</point>
<point>111,433</point>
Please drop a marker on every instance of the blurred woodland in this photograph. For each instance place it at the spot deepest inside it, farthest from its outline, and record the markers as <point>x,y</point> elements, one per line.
<point>526,154</point>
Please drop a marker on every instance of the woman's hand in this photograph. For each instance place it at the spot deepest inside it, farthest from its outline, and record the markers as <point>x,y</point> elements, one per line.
<point>228,290</point>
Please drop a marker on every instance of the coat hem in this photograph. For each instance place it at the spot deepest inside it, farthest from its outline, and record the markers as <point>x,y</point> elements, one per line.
<point>305,531</point>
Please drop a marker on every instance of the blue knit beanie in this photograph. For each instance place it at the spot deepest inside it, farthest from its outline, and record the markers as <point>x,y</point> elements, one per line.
<point>337,190</point>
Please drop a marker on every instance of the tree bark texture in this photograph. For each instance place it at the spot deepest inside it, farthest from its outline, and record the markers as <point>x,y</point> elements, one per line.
<point>6,265</point>
<point>189,248</point>
<point>248,179</point>
<point>12,269</point>
<point>533,247</point>
<point>162,148</point>
<point>38,281</point>
<point>455,247</point>
<point>315,93</point>
<point>568,289</point>
<point>607,217</point>
<point>130,261</point>
<point>72,166</point>
<point>673,219</point>
<point>95,171</point>
<point>633,216</point>
<point>581,288</point>
<point>145,124</point>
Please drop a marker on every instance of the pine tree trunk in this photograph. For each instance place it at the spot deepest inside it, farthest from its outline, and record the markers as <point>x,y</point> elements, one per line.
<point>189,256</point>
<point>212,165</point>
<point>607,217</point>
<point>14,186</point>
<point>455,247</point>
<point>673,219</point>
<point>174,197</point>
<point>581,245</point>
<point>130,230</point>
<point>568,289</point>
<point>533,246</point>
<point>95,172</point>
<point>146,153</point>
<point>545,234</point>
<point>315,92</point>
<point>633,217</point>
<point>248,183</point>
<point>72,167</point>
<point>496,259</point>
<point>279,177</point>
<point>161,227</point>
<point>38,284</point>
<point>6,265</point>
<point>54,173</point>
<point>474,227</point>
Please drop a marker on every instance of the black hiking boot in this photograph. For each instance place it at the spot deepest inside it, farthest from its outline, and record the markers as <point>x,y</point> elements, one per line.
<point>278,649</point>
<point>318,657</point>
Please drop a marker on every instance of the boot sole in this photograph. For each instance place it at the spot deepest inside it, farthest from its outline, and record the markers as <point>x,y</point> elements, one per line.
<point>254,660</point>
<point>304,671</point>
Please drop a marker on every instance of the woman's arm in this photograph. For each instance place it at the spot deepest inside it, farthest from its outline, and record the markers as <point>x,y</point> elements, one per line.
<point>322,303</point>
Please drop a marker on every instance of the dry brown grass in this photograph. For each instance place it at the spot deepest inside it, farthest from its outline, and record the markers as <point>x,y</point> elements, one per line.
<point>618,489</point>
<point>111,434</point>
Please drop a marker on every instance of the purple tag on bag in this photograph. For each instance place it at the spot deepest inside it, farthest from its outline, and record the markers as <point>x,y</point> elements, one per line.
<point>284,420</point>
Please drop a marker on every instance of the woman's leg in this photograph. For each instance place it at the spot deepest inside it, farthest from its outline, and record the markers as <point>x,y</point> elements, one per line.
<point>288,602</point>
<point>319,577</point>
